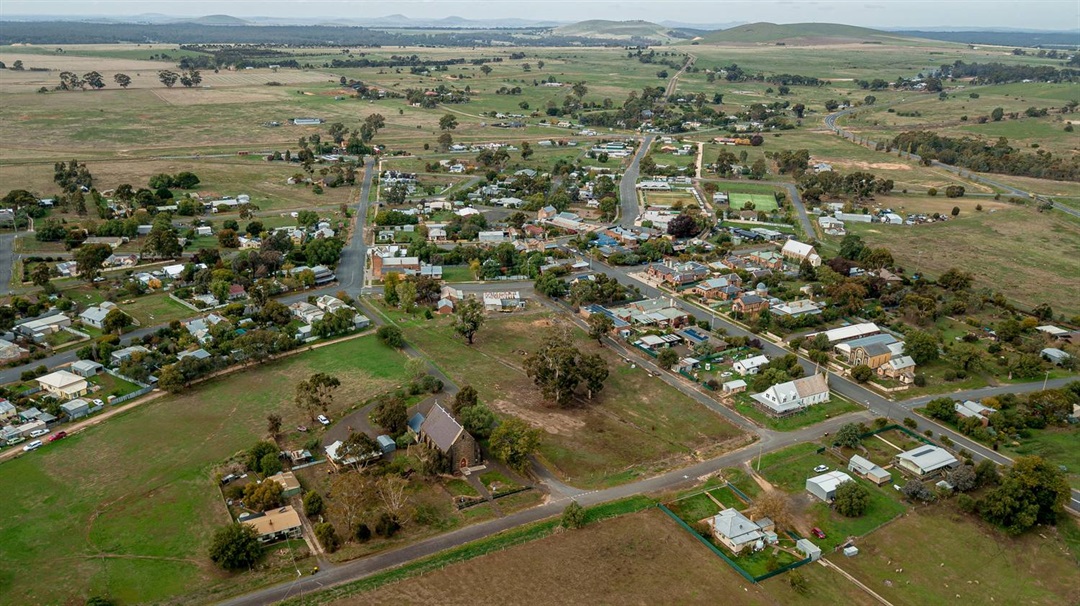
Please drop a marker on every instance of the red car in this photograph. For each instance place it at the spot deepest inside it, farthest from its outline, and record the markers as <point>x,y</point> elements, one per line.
<point>817,532</point>
<point>60,435</point>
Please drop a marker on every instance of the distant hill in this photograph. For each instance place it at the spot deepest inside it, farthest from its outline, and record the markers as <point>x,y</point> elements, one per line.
<point>799,33</point>
<point>619,30</point>
<point>215,20</point>
<point>1026,39</point>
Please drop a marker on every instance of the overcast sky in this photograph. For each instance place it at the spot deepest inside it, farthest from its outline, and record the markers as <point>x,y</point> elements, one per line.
<point>1041,14</point>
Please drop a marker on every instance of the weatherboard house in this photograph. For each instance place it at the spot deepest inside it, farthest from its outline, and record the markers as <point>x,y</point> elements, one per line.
<point>443,432</point>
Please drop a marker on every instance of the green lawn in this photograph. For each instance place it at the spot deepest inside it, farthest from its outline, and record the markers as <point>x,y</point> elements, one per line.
<point>111,386</point>
<point>817,413</point>
<point>126,508</point>
<point>789,468</point>
<point>157,308</point>
<point>762,202</point>
<point>457,273</point>
<point>1060,446</point>
<point>635,425</point>
<point>945,554</point>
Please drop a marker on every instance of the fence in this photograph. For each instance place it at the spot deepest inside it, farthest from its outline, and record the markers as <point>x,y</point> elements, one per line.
<point>142,391</point>
<point>707,543</point>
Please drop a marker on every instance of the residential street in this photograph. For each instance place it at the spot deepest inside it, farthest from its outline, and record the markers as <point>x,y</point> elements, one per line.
<point>7,261</point>
<point>628,195</point>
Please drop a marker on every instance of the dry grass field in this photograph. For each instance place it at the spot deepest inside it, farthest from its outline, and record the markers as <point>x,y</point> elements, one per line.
<point>1029,257</point>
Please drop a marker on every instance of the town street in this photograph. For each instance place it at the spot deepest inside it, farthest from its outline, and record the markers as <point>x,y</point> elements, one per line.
<point>628,195</point>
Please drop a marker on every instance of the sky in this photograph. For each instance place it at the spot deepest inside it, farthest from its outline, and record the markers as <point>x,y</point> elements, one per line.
<point>1033,14</point>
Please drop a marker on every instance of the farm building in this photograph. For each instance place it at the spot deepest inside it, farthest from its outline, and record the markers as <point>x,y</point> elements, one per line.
<point>869,470</point>
<point>824,486</point>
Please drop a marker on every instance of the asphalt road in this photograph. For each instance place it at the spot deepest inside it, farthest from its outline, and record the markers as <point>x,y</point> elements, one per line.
<point>831,123</point>
<point>350,268</point>
<point>7,261</point>
<point>628,198</point>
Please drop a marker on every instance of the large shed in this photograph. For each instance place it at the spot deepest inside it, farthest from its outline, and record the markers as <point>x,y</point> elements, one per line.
<point>824,486</point>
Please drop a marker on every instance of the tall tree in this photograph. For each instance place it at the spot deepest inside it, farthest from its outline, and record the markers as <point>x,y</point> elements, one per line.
<point>448,122</point>
<point>168,78</point>
<point>468,318</point>
<point>599,327</point>
<point>513,441</point>
<point>123,80</point>
<point>90,260</point>
<point>236,547</point>
<point>116,321</point>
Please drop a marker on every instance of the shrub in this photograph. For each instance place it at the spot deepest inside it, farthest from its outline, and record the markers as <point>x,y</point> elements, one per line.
<point>965,503</point>
<point>327,535</point>
<point>573,516</point>
<point>932,191</point>
<point>862,373</point>
<point>920,380</point>
<point>386,525</point>
<point>235,547</point>
<point>910,423</point>
<point>851,499</point>
<point>313,504</point>
<point>362,532</point>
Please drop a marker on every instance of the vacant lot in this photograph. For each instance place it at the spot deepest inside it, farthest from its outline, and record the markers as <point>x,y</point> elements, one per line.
<point>636,423</point>
<point>127,508</point>
<point>643,558</point>
<point>948,557</point>
<point>1058,445</point>
<point>1019,252</point>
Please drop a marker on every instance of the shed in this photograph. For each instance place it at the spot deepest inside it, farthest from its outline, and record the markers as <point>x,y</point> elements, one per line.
<point>86,368</point>
<point>735,386</point>
<point>851,551</point>
<point>808,549</point>
<point>824,486</point>
<point>926,460</point>
<point>75,409</point>
<point>289,484</point>
<point>386,444</point>
<point>869,470</point>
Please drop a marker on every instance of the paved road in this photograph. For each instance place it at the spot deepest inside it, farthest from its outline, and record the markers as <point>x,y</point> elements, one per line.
<point>350,268</point>
<point>628,196</point>
<point>831,123</point>
<point>7,261</point>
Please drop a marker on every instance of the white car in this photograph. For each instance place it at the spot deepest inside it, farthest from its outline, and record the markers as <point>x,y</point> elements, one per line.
<point>36,444</point>
<point>98,402</point>
<point>821,469</point>
<point>322,419</point>
<point>37,433</point>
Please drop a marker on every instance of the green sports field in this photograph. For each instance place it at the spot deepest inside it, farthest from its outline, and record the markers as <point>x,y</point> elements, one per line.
<point>761,202</point>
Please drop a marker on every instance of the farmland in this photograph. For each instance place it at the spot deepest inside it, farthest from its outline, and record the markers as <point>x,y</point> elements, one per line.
<point>128,506</point>
<point>637,423</point>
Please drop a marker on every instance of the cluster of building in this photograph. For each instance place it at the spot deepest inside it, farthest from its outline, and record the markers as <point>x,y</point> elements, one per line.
<point>868,345</point>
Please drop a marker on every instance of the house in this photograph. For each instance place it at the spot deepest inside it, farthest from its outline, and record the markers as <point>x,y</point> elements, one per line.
<point>75,409</point>
<point>872,351</point>
<point>86,368</point>
<point>799,252</point>
<point>769,258</point>
<point>749,304</point>
<point>733,387</point>
<point>656,342</point>
<point>750,366</point>
<point>901,368</point>
<point>10,351</point>
<point>198,354</point>
<point>276,525</point>
<point>869,470</point>
<point>791,397</point>
<point>824,486</point>
<point>123,355</point>
<point>492,237</point>
<point>7,410</point>
<point>330,304</point>
<point>236,291</point>
<point>39,328</point>
<point>95,315</point>
<point>677,274</point>
<point>443,432</point>
<point>735,530</point>
<point>382,265</point>
<point>718,288</point>
<point>1055,355</point>
<point>128,260</point>
<point>796,309</point>
<point>307,312</point>
<point>503,301</point>
<point>63,385</point>
<point>289,484</point>
<point>847,333</point>
<point>926,460</point>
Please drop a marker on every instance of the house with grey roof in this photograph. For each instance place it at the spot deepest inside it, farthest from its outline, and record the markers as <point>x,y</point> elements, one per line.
<point>440,430</point>
<point>736,531</point>
<point>95,315</point>
<point>1055,355</point>
<point>795,396</point>
<point>926,460</point>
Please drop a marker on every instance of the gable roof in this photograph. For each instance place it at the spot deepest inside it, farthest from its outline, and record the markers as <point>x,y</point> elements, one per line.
<point>928,458</point>
<point>441,428</point>
<point>812,385</point>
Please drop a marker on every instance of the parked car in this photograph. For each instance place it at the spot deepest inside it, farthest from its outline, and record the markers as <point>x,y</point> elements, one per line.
<point>821,469</point>
<point>60,435</point>
<point>322,419</point>
<point>37,433</point>
<point>98,402</point>
<point>817,532</point>
<point>36,444</point>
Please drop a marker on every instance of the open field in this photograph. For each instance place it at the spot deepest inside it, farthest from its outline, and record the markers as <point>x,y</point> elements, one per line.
<point>630,559</point>
<point>127,507</point>
<point>817,413</point>
<point>1057,445</point>
<point>635,424</point>
<point>760,202</point>
<point>1019,252</point>
<point>950,557</point>
<point>669,198</point>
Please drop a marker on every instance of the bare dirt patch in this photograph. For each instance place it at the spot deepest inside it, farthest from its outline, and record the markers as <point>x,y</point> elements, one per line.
<point>868,165</point>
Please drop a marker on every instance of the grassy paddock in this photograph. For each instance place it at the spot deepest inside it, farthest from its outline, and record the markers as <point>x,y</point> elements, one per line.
<point>127,508</point>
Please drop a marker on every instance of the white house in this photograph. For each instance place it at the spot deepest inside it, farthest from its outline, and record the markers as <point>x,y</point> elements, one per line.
<point>735,530</point>
<point>750,366</point>
<point>95,315</point>
<point>793,396</point>
<point>63,384</point>
<point>869,470</point>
